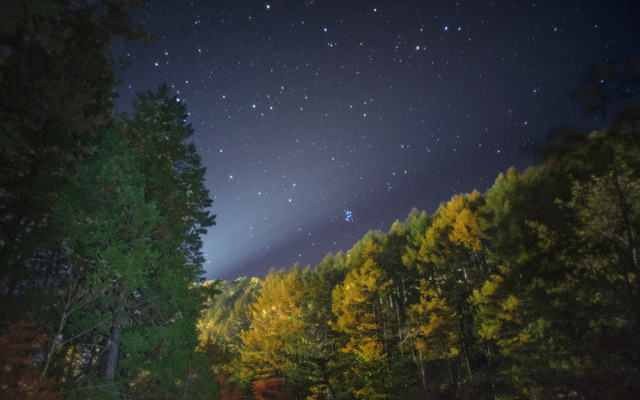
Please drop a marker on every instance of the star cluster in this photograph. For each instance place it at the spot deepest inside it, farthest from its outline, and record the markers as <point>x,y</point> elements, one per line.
<point>320,120</point>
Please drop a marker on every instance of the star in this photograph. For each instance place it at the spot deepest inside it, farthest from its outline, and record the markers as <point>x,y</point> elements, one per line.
<point>353,103</point>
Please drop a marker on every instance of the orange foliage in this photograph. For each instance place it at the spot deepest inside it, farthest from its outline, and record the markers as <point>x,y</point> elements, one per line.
<point>19,377</point>
<point>227,390</point>
<point>269,389</point>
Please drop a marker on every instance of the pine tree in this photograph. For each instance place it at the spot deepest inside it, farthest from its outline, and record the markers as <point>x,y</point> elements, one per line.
<point>56,79</point>
<point>133,227</point>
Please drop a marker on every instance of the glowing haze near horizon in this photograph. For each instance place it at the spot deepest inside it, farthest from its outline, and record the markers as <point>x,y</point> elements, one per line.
<point>320,120</point>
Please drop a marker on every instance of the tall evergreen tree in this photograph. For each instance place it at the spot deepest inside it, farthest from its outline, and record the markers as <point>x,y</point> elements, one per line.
<point>131,226</point>
<point>56,78</point>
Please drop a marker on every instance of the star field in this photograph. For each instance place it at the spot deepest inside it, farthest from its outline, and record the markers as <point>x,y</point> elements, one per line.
<point>320,120</point>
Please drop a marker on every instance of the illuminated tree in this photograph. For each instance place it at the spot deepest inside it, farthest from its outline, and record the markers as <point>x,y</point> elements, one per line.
<point>359,304</point>
<point>277,327</point>
<point>435,327</point>
<point>321,366</point>
<point>453,262</point>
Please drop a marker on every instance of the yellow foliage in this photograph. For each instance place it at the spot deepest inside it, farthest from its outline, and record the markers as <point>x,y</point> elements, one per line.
<point>466,230</point>
<point>523,337</point>
<point>455,225</point>
<point>276,326</point>
<point>434,323</point>
<point>355,301</point>
<point>370,350</point>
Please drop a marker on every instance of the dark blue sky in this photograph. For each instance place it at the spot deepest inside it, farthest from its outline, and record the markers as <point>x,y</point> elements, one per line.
<point>320,120</point>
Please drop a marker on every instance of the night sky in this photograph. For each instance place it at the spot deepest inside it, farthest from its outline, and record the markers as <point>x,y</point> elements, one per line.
<point>319,120</point>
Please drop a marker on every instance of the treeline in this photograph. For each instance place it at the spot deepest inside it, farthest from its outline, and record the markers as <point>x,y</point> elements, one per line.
<point>529,290</point>
<point>100,217</point>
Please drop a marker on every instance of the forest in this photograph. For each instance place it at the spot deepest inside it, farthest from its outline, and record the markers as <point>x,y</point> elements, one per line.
<point>527,291</point>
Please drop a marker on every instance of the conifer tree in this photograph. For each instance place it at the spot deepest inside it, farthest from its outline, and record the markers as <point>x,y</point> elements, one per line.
<point>272,346</point>
<point>132,229</point>
<point>56,79</point>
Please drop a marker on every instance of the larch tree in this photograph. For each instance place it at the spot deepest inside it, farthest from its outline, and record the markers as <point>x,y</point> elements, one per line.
<point>272,343</point>
<point>360,307</point>
<point>453,253</point>
<point>321,348</point>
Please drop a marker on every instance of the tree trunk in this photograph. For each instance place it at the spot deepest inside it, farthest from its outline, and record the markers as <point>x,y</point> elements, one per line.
<point>114,342</point>
<point>423,373</point>
<point>114,350</point>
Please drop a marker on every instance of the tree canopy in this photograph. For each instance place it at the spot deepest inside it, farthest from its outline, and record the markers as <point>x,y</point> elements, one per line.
<point>526,291</point>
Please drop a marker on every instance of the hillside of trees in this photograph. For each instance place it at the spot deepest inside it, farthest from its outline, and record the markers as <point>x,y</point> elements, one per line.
<point>529,290</point>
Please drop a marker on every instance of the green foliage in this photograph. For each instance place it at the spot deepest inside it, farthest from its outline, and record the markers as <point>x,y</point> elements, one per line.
<point>56,78</point>
<point>135,260</point>
<point>567,271</point>
<point>142,255</point>
<point>100,217</point>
